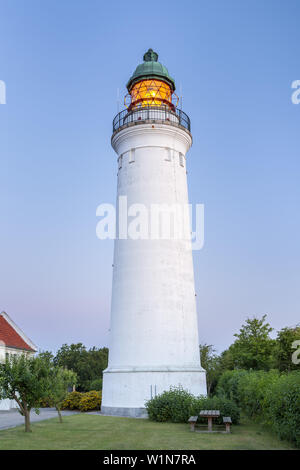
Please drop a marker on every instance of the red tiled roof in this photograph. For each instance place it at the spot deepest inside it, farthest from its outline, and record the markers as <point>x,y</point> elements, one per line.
<point>10,337</point>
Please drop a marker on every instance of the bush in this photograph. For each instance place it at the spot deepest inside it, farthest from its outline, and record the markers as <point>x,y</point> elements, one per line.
<point>252,389</point>
<point>269,396</point>
<point>96,385</point>
<point>72,401</point>
<point>45,403</point>
<point>90,401</point>
<point>247,388</point>
<point>177,405</point>
<point>228,385</point>
<point>82,401</point>
<point>282,407</point>
<point>226,407</point>
<point>173,405</point>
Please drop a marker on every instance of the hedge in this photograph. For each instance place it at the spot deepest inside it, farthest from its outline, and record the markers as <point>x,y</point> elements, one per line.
<point>282,407</point>
<point>228,384</point>
<point>271,397</point>
<point>252,391</point>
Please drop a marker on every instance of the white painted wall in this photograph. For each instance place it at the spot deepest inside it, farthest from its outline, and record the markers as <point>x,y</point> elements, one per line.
<point>154,334</point>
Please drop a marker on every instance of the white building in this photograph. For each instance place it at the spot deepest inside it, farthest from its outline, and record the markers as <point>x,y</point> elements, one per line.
<point>12,341</point>
<point>154,335</point>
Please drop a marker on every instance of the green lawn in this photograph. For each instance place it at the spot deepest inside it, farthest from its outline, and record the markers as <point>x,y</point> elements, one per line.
<point>102,432</point>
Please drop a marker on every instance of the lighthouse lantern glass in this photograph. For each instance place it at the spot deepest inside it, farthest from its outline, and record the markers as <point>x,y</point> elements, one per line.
<point>151,93</point>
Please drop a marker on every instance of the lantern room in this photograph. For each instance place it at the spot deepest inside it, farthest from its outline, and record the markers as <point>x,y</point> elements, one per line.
<point>151,85</point>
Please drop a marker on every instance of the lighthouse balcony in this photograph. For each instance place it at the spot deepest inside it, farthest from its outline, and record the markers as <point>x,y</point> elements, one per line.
<point>150,115</point>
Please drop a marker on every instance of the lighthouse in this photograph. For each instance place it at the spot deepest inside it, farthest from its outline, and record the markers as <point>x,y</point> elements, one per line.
<point>153,332</point>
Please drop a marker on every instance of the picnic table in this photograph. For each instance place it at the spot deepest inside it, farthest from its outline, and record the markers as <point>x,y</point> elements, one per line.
<point>209,414</point>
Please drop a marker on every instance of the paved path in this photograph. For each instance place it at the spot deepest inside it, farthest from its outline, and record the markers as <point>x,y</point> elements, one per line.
<point>12,418</point>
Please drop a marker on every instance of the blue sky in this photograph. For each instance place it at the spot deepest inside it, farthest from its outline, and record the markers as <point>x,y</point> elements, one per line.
<point>62,62</point>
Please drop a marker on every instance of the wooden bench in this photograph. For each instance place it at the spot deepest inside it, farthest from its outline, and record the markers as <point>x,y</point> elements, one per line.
<point>209,414</point>
<point>227,421</point>
<point>193,420</point>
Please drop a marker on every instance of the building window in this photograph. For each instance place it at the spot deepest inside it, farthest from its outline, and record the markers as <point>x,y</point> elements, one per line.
<point>181,159</point>
<point>132,156</point>
<point>120,161</point>
<point>168,153</point>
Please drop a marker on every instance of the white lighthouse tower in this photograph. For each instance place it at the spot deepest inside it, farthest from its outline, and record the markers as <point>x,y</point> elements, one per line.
<point>153,335</point>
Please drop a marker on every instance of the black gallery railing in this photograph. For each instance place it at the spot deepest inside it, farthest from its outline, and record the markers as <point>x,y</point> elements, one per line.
<point>152,113</point>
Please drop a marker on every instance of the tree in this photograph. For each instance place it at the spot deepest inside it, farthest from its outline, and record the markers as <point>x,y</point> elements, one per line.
<point>212,364</point>
<point>47,355</point>
<point>59,381</point>
<point>284,348</point>
<point>227,360</point>
<point>25,380</point>
<point>88,364</point>
<point>253,348</point>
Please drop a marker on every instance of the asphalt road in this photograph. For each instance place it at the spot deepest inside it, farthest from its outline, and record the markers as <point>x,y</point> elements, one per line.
<point>12,418</point>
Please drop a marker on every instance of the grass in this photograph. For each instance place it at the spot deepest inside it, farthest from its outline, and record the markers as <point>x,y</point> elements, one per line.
<point>85,431</point>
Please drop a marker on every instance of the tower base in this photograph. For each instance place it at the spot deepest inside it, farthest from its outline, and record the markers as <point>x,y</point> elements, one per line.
<point>124,412</point>
<point>125,391</point>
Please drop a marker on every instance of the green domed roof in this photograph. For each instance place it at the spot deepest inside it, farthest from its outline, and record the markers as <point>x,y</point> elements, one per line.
<point>150,69</point>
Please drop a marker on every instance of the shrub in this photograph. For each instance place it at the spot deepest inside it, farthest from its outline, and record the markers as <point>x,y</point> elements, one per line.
<point>45,403</point>
<point>269,396</point>
<point>247,388</point>
<point>226,407</point>
<point>72,401</point>
<point>82,401</point>
<point>173,405</point>
<point>177,405</point>
<point>252,389</point>
<point>90,401</point>
<point>96,385</point>
<point>228,385</point>
<point>282,407</point>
